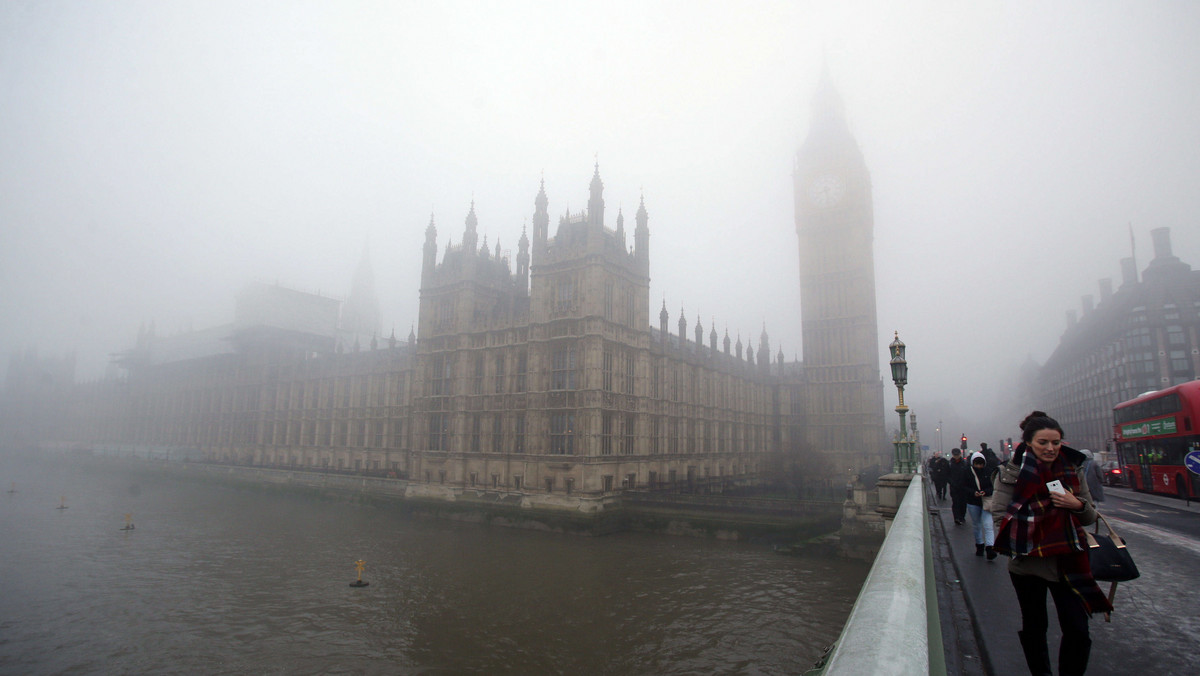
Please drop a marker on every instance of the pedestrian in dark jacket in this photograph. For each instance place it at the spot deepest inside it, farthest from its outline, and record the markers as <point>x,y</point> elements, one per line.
<point>939,472</point>
<point>958,501</point>
<point>1043,502</point>
<point>989,457</point>
<point>977,485</point>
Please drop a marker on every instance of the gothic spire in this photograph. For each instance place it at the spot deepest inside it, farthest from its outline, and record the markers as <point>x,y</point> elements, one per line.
<point>429,261</point>
<point>662,322</point>
<point>596,201</point>
<point>470,236</point>
<point>360,312</point>
<point>828,111</point>
<point>523,260</point>
<point>641,236</point>
<point>541,222</point>
<point>764,348</point>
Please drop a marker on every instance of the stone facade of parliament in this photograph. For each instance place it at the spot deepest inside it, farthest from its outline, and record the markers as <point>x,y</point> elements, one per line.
<point>545,378</point>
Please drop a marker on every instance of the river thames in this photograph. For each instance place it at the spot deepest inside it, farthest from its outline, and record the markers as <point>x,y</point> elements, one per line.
<point>217,580</point>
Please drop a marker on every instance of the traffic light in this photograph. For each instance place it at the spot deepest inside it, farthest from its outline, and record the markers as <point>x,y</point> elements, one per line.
<point>964,442</point>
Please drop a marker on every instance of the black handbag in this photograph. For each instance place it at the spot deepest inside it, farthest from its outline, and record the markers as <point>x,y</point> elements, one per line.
<point>1110,559</point>
<point>1109,556</point>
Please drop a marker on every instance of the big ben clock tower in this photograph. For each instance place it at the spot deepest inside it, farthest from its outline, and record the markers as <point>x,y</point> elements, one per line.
<point>843,393</point>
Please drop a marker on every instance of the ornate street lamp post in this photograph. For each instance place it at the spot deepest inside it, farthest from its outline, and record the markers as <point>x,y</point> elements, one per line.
<point>904,462</point>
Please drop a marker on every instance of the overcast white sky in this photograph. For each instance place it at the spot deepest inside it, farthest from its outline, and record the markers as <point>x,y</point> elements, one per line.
<point>155,157</point>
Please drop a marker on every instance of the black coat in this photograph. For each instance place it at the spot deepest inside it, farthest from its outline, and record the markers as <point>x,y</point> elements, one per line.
<point>939,470</point>
<point>966,484</point>
<point>958,471</point>
<point>992,460</point>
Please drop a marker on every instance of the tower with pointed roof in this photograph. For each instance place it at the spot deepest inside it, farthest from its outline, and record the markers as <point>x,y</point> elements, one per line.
<point>472,285</point>
<point>596,199</point>
<point>360,312</point>
<point>429,259</point>
<point>523,260</point>
<point>641,235</point>
<point>586,254</point>
<point>835,226</point>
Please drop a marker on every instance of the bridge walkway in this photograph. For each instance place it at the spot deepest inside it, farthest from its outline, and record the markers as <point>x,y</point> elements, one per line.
<point>979,612</point>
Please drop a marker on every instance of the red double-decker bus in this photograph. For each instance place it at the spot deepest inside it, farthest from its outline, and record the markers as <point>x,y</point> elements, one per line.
<point>1153,433</point>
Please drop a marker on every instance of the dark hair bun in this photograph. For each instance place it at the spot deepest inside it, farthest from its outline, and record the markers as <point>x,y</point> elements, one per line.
<point>1031,416</point>
<point>1038,420</point>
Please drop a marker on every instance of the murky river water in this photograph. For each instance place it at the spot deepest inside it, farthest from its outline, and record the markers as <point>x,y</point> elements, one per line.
<point>219,581</point>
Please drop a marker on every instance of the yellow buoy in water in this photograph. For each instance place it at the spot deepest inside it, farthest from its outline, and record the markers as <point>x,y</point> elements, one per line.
<point>359,564</point>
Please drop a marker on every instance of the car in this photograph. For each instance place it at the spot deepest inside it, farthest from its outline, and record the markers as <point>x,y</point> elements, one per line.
<point>1113,474</point>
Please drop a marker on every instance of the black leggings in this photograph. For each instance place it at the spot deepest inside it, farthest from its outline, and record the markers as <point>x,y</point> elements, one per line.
<point>1072,619</point>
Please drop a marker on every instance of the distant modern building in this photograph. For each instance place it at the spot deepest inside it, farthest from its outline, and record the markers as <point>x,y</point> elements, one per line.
<point>540,375</point>
<point>1142,337</point>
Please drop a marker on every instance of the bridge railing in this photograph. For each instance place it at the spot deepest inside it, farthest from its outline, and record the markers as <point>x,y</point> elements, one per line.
<point>894,627</point>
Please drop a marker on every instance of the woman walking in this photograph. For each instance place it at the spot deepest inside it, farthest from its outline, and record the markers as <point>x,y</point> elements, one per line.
<point>977,485</point>
<point>1043,503</point>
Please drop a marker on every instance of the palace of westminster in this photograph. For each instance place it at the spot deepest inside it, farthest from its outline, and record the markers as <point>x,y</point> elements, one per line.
<point>545,379</point>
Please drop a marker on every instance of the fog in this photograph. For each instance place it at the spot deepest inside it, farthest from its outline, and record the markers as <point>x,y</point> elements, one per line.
<point>156,157</point>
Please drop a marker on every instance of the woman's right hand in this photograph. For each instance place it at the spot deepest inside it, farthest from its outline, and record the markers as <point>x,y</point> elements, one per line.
<point>1066,501</point>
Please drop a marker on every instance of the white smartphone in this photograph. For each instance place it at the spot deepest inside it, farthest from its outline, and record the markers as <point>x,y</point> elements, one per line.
<point>1055,486</point>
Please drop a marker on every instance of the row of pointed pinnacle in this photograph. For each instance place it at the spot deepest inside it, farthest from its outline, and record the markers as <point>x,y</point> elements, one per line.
<point>596,188</point>
<point>764,343</point>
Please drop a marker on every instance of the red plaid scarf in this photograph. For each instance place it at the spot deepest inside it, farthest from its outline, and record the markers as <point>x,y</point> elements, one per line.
<point>1033,526</point>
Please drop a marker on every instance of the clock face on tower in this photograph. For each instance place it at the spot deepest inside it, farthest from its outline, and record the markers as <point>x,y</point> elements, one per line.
<point>827,190</point>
